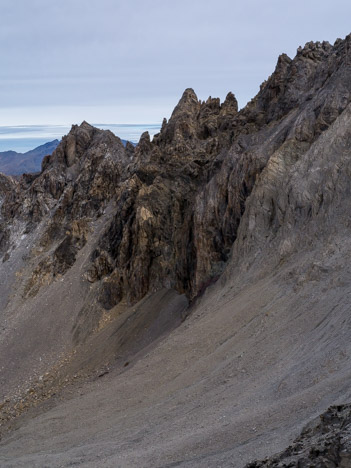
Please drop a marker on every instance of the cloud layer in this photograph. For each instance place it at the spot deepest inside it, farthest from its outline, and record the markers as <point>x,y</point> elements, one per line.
<point>62,62</point>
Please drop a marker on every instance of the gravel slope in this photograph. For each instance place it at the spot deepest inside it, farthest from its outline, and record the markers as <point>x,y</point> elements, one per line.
<point>236,381</point>
<point>260,353</point>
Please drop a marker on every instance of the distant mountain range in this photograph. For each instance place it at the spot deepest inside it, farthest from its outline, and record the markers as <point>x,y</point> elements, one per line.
<point>13,163</point>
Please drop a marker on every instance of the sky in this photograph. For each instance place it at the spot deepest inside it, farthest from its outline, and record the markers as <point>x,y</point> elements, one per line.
<point>113,61</point>
<point>22,138</point>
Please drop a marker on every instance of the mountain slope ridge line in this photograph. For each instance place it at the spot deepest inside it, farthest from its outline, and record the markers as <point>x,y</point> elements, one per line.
<point>242,214</point>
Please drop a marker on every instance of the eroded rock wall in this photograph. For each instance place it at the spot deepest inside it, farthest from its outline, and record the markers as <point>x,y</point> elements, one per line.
<point>178,200</point>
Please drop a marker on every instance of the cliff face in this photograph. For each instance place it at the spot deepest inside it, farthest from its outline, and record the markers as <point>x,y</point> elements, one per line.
<point>179,199</point>
<point>249,196</point>
<point>7,187</point>
<point>149,242</point>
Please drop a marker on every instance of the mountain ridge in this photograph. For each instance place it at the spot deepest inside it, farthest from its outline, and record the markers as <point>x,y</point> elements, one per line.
<point>242,214</point>
<point>13,163</point>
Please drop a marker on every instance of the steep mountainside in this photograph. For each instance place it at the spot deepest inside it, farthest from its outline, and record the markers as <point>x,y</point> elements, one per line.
<point>232,226</point>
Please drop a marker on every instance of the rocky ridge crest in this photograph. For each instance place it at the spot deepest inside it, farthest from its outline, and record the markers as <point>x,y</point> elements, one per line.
<point>217,190</point>
<point>179,199</point>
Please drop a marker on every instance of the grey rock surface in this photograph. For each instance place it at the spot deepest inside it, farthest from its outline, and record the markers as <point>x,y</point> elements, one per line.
<point>244,215</point>
<point>325,443</point>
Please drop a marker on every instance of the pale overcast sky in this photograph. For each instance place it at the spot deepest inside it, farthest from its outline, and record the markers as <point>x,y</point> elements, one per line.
<point>113,61</point>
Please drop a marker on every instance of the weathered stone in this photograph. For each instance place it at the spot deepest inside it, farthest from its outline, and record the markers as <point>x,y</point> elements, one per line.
<point>323,443</point>
<point>177,201</point>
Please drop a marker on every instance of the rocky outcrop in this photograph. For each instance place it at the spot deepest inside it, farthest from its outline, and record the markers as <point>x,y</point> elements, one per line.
<point>139,248</point>
<point>259,192</point>
<point>7,186</point>
<point>323,443</point>
<point>178,199</point>
<point>74,187</point>
<point>203,165</point>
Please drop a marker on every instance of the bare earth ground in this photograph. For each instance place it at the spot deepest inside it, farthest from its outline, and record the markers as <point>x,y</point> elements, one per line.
<point>263,352</point>
<point>235,381</point>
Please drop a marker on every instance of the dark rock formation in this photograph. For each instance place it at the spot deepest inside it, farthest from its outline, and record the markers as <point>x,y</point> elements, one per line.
<point>178,199</point>
<point>7,185</point>
<point>152,186</point>
<point>30,162</point>
<point>325,443</point>
<point>259,194</point>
